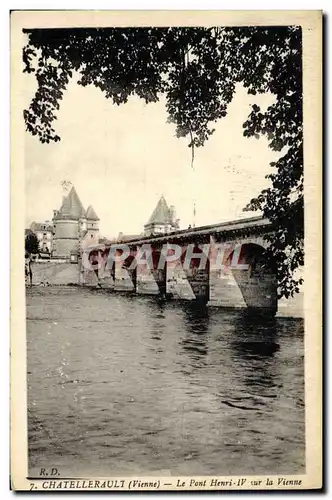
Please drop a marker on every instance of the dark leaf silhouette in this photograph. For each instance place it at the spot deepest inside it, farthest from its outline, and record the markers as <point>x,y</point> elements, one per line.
<point>31,243</point>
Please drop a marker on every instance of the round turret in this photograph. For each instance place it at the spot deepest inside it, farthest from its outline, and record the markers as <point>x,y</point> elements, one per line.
<point>66,223</point>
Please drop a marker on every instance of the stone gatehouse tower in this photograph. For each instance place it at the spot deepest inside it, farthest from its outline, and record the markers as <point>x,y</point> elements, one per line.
<point>73,226</point>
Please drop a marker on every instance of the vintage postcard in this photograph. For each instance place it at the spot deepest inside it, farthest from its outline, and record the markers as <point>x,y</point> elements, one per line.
<point>166,322</point>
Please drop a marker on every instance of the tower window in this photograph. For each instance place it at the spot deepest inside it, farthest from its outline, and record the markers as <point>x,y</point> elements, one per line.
<point>92,236</point>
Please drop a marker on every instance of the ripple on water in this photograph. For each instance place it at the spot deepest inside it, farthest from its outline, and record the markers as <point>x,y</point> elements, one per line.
<point>128,385</point>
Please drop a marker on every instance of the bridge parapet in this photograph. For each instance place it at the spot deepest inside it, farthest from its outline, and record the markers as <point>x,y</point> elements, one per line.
<point>225,230</point>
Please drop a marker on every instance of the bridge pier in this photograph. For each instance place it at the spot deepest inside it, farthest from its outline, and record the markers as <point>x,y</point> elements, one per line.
<point>224,291</point>
<point>151,272</point>
<point>105,274</point>
<point>159,271</point>
<point>244,280</point>
<point>188,276</point>
<point>89,268</point>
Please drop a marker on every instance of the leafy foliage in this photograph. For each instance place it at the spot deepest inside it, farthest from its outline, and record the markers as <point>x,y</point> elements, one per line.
<point>197,70</point>
<point>31,243</point>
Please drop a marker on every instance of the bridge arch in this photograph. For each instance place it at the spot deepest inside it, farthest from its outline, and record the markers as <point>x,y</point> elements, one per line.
<point>254,239</point>
<point>254,276</point>
<point>251,255</point>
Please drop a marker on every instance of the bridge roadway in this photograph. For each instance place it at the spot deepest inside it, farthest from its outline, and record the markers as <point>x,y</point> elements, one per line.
<point>241,226</point>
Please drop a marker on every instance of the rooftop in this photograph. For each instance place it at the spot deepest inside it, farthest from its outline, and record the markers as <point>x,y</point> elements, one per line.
<point>71,207</point>
<point>41,226</point>
<point>91,214</point>
<point>161,214</point>
<point>128,237</point>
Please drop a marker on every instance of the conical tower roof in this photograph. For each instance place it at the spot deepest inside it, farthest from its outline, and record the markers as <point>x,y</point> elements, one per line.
<point>71,207</point>
<point>91,214</point>
<point>161,214</point>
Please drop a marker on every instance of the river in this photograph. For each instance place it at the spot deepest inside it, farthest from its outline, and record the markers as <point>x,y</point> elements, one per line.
<point>123,385</point>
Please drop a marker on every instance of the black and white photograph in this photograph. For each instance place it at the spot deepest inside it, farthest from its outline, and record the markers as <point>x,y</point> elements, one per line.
<point>166,175</point>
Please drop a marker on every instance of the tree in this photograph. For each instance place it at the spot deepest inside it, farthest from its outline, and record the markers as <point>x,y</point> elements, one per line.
<point>31,243</point>
<point>197,70</point>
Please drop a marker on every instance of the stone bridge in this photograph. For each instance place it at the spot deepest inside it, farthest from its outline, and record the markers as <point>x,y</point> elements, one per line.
<point>220,264</point>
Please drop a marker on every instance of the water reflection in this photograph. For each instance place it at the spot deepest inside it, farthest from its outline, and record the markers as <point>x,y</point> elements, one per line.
<point>167,386</point>
<point>155,311</point>
<point>254,347</point>
<point>196,327</point>
<point>254,336</point>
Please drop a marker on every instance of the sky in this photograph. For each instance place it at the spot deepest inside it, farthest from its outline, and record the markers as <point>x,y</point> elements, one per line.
<point>121,159</point>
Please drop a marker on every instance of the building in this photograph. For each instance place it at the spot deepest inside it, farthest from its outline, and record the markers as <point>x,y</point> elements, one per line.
<point>163,219</point>
<point>44,233</point>
<point>73,226</point>
<point>122,238</point>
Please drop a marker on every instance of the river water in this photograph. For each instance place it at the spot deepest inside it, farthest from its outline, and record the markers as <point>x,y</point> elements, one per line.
<point>121,385</point>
